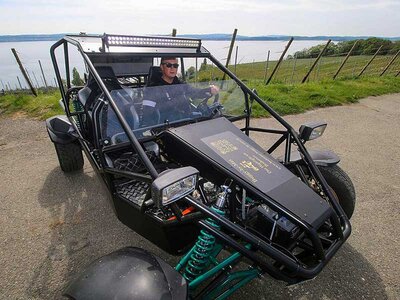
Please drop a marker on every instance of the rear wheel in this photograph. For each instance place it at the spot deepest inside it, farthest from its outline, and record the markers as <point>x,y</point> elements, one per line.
<point>342,186</point>
<point>69,156</point>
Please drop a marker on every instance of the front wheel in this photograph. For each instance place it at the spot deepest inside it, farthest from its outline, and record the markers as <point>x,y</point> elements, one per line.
<point>342,186</point>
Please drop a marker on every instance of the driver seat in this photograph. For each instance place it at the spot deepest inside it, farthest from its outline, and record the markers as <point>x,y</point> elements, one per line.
<point>154,75</point>
<point>151,114</point>
<point>123,101</point>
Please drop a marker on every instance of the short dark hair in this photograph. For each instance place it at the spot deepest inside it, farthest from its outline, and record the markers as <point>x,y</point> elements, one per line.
<point>167,58</point>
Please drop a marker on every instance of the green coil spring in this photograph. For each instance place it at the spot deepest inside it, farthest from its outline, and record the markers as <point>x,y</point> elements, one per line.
<point>200,257</point>
<point>77,107</point>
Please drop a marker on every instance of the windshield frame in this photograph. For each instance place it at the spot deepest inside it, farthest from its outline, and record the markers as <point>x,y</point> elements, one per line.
<point>203,53</point>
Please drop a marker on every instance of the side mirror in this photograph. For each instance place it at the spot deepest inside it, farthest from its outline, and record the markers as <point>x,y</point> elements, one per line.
<point>311,131</point>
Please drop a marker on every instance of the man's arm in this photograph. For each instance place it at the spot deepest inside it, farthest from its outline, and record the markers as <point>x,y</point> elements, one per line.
<point>201,93</point>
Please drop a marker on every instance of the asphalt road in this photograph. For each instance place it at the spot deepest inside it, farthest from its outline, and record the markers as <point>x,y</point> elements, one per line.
<point>52,224</point>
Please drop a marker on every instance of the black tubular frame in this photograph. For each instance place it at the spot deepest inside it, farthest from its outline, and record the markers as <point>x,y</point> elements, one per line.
<point>292,136</point>
<point>339,220</point>
<point>296,269</point>
<point>134,142</point>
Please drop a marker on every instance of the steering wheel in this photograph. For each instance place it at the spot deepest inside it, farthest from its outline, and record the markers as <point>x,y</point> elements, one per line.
<point>205,100</point>
<point>210,110</point>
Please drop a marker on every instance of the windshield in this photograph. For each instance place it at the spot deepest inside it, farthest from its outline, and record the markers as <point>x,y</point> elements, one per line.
<point>156,106</point>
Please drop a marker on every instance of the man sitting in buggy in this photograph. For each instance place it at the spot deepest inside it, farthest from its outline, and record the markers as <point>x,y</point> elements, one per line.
<point>170,100</point>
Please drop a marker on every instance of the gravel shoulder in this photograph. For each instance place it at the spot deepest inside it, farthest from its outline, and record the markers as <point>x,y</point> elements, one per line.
<point>52,224</point>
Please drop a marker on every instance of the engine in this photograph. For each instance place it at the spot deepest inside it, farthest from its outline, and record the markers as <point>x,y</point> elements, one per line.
<point>252,214</point>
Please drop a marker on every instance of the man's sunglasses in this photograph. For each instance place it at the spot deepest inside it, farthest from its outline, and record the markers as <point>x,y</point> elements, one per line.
<point>169,65</point>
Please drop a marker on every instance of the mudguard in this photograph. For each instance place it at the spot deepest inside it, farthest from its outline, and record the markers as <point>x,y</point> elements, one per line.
<point>60,130</point>
<point>320,157</point>
<point>128,273</point>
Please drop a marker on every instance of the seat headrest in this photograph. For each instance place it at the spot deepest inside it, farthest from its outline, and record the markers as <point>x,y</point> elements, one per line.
<point>154,74</point>
<point>105,72</point>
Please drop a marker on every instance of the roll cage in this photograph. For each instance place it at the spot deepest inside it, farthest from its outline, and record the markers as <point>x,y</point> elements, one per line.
<point>92,46</point>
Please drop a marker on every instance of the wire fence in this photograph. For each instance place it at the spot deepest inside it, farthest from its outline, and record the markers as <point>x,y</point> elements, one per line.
<point>293,70</point>
<point>248,61</point>
<point>34,63</point>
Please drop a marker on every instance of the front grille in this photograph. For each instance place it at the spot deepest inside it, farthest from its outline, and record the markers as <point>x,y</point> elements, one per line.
<point>131,161</point>
<point>133,190</point>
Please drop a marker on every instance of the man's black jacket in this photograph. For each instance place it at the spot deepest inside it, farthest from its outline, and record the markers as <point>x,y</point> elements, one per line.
<point>171,101</point>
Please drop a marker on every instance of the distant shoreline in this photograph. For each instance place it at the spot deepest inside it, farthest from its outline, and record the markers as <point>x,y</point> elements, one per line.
<point>209,37</point>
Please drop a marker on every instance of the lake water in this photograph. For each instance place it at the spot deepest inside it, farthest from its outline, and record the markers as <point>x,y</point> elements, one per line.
<point>31,52</point>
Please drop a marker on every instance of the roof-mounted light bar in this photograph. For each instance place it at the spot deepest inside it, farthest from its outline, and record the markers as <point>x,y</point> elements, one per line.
<point>146,41</point>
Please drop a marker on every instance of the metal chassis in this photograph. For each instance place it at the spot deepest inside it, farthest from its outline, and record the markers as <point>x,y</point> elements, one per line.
<point>289,136</point>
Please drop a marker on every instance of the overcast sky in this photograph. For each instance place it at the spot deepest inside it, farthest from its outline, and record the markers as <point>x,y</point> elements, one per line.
<point>250,17</point>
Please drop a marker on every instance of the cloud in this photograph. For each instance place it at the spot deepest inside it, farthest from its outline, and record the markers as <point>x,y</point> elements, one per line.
<point>251,17</point>
<point>193,6</point>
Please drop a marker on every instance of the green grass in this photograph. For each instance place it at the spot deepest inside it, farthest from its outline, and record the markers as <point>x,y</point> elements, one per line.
<point>41,107</point>
<point>287,95</point>
<point>284,98</point>
<point>297,98</point>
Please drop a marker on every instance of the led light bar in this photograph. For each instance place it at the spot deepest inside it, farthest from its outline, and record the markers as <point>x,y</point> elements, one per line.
<point>147,41</point>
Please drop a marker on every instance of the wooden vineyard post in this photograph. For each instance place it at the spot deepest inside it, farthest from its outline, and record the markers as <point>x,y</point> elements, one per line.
<point>24,72</point>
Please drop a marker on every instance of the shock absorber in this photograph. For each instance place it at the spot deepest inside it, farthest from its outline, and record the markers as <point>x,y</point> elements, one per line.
<point>203,249</point>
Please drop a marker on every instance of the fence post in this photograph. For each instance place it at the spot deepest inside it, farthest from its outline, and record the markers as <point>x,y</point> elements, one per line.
<point>228,59</point>
<point>229,56</point>
<point>266,66</point>
<point>316,61</point>
<point>389,64</point>
<point>345,60</point>
<point>236,54</point>
<point>44,78</point>
<point>294,68</point>
<point>354,68</point>
<point>280,60</point>
<point>368,63</point>
<point>23,72</point>
<point>37,82</point>
<point>19,82</point>
<point>316,77</point>
<point>29,76</point>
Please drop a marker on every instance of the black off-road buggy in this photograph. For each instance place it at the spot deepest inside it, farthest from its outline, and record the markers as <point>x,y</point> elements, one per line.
<point>194,183</point>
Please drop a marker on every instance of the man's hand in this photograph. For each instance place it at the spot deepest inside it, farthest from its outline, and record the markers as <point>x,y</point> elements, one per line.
<point>214,89</point>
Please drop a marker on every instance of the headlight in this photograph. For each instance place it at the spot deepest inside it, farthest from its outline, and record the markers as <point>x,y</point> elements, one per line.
<point>311,131</point>
<point>173,185</point>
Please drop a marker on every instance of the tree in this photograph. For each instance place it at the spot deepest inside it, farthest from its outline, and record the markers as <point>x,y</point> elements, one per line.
<point>371,45</point>
<point>190,73</point>
<point>395,47</point>
<point>203,65</point>
<point>363,47</point>
<point>345,46</point>
<point>76,78</point>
